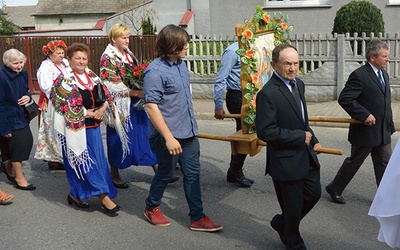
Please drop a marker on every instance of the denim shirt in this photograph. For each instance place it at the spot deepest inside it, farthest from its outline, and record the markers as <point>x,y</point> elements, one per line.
<point>229,74</point>
<point>167,84</point>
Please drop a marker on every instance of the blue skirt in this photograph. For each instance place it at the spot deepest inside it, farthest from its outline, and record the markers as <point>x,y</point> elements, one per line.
<point>139,146</point>
<point>98,180</point>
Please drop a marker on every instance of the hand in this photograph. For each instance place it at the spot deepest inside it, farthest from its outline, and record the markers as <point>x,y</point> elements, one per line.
<point>9,135</point>
<point>136,93</point>
<point>370,121</point>
<point>24,100</point>
<point>308,137</point>
<point>219,114</point>
<point>173,146</point>
<point>316,146</point>
<point>44,106</point>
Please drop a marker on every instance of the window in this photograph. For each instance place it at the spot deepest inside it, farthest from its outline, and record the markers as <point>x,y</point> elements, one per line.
<point>299,3</point>
<point>395,2</point>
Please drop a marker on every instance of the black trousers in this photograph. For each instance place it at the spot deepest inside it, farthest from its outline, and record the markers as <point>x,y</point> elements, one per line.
<point>296,199</point>
<point>380,157</point>
<point>234,105</point>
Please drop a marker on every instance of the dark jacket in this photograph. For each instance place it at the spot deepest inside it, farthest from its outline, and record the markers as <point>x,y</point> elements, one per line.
<point>280,124</point>
<point>13,86</point>
<point>363,95</point>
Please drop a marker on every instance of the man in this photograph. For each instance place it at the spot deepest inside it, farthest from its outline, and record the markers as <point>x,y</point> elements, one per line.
<point>173,132</point>
<point>281,121</point>
<point>229,75</point>
<point>366,97</point>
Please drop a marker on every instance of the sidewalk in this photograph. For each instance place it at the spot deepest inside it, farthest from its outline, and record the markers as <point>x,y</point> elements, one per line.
<point>204,109</point>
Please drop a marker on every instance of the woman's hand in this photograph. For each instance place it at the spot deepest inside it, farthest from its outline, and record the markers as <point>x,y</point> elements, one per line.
<point>24,100</point>
<point>9,135</point>
<point>136,93</point>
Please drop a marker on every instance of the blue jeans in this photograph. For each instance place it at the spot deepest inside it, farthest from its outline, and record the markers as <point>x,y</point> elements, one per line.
<point>189,161</point>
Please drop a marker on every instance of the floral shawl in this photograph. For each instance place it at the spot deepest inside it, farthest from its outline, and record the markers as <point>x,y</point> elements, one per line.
<point>69,119</point>
<point>112,71</point>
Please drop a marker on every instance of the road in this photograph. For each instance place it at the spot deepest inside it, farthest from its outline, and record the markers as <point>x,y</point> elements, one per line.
<point>42,219</point>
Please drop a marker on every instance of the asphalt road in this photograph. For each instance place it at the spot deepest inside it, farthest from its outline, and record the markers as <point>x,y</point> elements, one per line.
<point>42,219</point>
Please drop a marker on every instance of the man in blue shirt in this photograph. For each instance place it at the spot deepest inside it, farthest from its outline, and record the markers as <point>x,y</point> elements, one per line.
<point>229,75</point>
<point>173,132</point>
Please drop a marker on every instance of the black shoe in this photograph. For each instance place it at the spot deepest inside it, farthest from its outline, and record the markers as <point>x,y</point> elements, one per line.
<point>27,188</point>
<point>174,179</point>
<point>4,170</point>
<point>241,179</point>
<point>112,211</point>
<point>122,185</point>
<point>336,198</point>
<point>278,226</point>
<point>55,165</point>
<point>81,204</point>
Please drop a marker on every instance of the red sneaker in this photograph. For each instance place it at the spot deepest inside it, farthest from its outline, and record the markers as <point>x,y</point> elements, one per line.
<point>156,217</point>
<point>205,225</point>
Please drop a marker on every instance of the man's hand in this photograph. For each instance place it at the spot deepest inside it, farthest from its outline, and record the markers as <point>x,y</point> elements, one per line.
<point>316,146</point>
<point>308,137</point>
<point>219,114</point>
<point>173,146</point>
<point>370,121</point>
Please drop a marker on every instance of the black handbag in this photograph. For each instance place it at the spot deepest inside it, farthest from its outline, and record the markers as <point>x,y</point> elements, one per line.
<point>31,110</point>
<point>100,95</point>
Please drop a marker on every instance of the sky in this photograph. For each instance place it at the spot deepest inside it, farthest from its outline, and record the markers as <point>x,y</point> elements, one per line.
<point>19,2</point>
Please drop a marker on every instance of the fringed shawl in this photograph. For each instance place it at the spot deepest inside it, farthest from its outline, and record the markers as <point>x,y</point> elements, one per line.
<point>112,71</point>
<point>69,120</point>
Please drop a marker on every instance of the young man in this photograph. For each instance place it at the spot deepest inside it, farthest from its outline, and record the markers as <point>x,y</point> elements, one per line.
<point>291,159</point>
<point>173,132</point>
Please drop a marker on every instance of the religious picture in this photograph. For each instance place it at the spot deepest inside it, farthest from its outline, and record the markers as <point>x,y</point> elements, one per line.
<point>263,47</point>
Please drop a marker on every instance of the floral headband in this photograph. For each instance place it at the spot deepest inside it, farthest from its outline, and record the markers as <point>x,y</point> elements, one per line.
<point>52,45</point>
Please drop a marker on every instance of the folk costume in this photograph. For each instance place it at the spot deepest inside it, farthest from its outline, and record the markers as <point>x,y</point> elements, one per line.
<point>80,138</point>
<point>47,148</point>
<point>113,71</point>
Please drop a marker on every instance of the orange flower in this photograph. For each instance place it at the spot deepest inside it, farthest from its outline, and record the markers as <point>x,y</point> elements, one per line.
<point>252,104</point>
<point>247,34</point>
<point>283,26</point>
<point>266,18</point>
<point>249,54</point>
<point>254,78</point>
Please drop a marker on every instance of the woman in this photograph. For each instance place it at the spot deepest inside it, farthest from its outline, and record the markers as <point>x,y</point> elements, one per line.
<point>50,68</point>
<point>16,138</point>
<point>115,63</point>
<point>81,102</point>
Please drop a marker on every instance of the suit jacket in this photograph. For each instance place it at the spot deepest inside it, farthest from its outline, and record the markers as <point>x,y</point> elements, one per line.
<point>363,95</point>
<point>280,124</point>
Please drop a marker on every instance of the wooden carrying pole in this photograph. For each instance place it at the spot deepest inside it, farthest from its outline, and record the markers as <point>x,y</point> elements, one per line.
<point>311,119</point>
<point>260,143</point>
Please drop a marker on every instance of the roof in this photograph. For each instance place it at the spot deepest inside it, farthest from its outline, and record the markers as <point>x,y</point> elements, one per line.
<point>186,18</point>
<point>20,15</point>
<point>64,7</point>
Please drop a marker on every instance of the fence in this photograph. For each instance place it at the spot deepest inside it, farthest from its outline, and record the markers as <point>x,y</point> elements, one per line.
<point>142,47</point>
<point>325,61</point>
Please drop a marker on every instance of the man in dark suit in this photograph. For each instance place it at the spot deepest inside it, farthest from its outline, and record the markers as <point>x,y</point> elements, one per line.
<point>282,123</point>
<point>366,97</point>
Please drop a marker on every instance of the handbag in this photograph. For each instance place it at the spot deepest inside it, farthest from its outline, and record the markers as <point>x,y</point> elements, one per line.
<point>101,95</point>
<point>31,110</point>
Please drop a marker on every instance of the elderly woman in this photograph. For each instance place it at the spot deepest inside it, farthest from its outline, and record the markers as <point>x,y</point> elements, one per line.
<point>81,103</point>
<point>16,138</point>
<point>116,62</point>
<point>51,67</point>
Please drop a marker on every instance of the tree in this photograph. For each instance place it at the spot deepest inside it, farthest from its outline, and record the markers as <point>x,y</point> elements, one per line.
<point>148,27</point>
<point>137,14</point>
<point>358,16</point>
<point>7,27</point>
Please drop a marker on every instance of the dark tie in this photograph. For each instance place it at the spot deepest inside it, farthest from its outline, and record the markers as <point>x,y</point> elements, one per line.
<point>381,80</point>
<point>295,92</point>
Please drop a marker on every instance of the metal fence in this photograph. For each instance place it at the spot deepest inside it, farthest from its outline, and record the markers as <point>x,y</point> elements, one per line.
<point>141,46</point>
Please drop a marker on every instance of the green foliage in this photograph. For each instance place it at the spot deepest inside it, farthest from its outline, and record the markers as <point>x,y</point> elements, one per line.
<point>7,27</point>
<point>358,16</point>
<point>148,27</point>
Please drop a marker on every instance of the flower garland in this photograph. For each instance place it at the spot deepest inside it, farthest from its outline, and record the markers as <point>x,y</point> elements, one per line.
<point>52,45</point>
<point>260,22</point>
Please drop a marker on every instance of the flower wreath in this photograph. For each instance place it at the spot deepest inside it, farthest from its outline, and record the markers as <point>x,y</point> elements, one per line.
<point>260,22</point>
<point>52,45</point>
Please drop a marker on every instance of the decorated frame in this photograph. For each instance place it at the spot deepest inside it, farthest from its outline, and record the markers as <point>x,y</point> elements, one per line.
<point>257,38</point>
